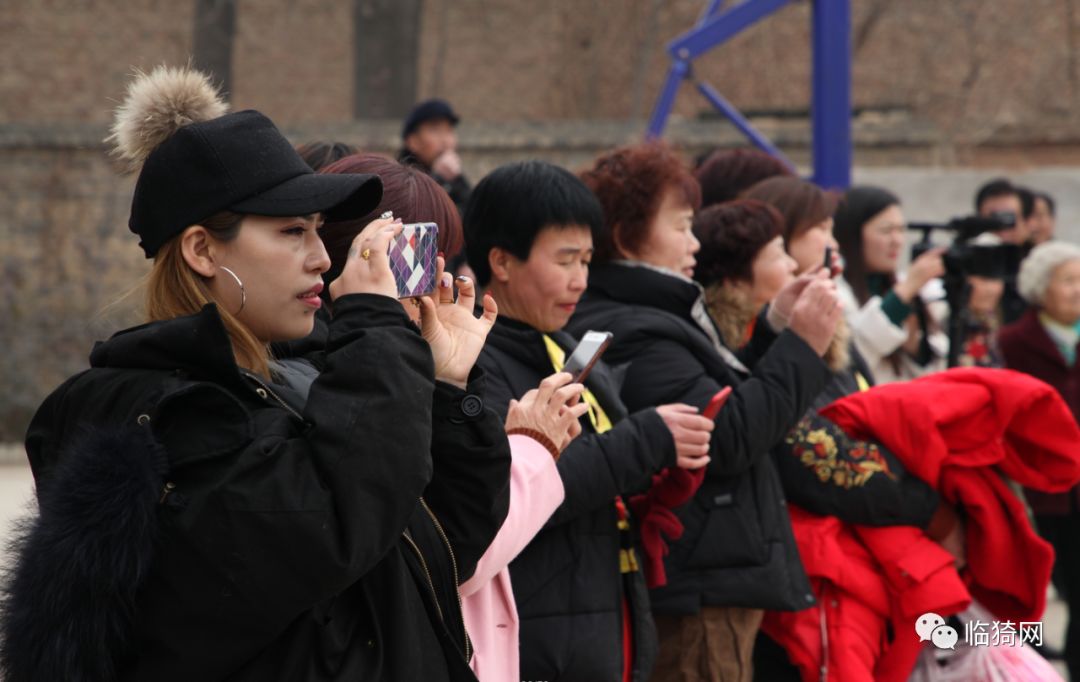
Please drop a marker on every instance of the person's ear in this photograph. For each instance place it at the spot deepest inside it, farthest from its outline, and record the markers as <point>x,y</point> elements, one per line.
<point>620,249</point>
<point>500,262</point>
<point>197,248</point>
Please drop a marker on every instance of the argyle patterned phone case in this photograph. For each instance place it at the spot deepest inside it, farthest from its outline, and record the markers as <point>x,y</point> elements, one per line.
<point>412,259</point>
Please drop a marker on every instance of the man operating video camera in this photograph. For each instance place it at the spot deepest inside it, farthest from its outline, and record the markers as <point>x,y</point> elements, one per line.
<point>980,267</point>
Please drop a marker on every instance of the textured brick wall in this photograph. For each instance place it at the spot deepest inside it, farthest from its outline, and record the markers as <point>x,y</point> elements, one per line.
<point>68,60</point>
<point>988,84</point>
<point>65,256</point>
<point>970,66</point>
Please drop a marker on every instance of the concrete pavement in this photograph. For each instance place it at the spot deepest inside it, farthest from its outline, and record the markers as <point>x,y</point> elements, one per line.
<point>16,491</point>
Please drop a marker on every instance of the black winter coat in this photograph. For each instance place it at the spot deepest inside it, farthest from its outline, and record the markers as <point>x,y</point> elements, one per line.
<point>196,526</point>
<point>459,188</point>
<point>737,548</point>
<point>833,485</point>
<point>567,581</point>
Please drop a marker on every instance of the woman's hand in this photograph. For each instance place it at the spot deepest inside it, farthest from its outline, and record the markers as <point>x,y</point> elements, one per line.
<point>947,529</point>
<point>691,432</point>
<point>553,409</point>
<point>926,267</point>
<point>954,544</point>
<point>781,307</point>
<point>367,269</point>
<point>816,314</point>
<point>456,337</point>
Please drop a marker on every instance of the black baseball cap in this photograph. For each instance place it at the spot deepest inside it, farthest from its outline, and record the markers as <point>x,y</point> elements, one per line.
<point>429,110</point>
<point>237,162</point>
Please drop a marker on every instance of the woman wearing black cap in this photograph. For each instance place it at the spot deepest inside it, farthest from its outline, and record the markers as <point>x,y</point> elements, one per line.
<point>202,519</point>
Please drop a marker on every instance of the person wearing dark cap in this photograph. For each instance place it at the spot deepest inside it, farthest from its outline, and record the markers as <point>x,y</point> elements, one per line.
<point>429,140</point>
<point>201,517</point>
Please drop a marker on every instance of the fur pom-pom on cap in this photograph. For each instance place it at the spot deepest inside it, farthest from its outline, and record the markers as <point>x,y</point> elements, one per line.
<point>158,104</point>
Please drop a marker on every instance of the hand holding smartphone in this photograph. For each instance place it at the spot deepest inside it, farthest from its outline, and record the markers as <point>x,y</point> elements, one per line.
<point>717,402</point>
<point>586,354</point>
<point>833,264</point>
<point>413,255</point>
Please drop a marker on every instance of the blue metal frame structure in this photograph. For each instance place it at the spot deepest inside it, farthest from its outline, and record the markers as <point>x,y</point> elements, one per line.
<point>831,105</point>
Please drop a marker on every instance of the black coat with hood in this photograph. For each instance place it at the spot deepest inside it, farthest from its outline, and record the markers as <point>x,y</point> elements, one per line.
<point>567,582</point>
<point>459,188</point>
<point>737,549</point>
<point>196,523</point>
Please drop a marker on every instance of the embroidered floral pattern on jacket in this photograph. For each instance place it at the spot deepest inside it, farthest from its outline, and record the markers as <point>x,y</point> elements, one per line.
<point>834,456</point>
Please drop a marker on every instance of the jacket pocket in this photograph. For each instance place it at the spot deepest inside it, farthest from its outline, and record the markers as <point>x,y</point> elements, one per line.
<point>732,535</point>
<point>202,421</point>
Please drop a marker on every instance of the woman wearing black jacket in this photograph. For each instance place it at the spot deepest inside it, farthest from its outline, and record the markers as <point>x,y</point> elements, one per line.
<point>578,585</point>
<point>737,555</point>
<point>206,514</point>
<point>803,223</point>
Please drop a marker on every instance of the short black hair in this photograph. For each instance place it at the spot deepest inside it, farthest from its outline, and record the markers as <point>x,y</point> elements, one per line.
<point>1027,201</point>
<point>321,154</point>
<point>510,206</point>
<point>998,187</point>
<point>1049,202</point>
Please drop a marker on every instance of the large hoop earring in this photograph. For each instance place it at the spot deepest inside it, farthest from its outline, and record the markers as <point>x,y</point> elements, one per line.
<point>243,291</point>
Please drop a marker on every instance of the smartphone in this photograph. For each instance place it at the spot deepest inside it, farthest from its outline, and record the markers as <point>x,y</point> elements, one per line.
<point>412,259</point>
<point>717,401</point>
<point>828,258</point>
<point>588,351</point>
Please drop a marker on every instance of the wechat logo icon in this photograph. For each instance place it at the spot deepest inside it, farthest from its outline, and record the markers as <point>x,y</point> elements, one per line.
<point>931,627</point>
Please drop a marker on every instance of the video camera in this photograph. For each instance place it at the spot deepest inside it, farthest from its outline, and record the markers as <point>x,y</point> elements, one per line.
<point>994,261</point>
<point>966,257</point>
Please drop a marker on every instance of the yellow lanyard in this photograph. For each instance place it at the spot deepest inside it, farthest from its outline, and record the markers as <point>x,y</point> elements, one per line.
<point>861,381</point>
<point>600,421</point>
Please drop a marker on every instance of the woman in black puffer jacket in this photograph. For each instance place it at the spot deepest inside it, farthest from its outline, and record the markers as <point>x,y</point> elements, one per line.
<point>205,514</point>
<point>742,266</point>
<point>580,591</point>
<point>737,555</point>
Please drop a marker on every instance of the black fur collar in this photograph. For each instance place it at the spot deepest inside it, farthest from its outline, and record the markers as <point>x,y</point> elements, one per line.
<point>68,602</point>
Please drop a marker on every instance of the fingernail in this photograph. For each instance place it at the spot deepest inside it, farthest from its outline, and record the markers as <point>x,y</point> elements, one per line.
<point>445,283</point>
<point>463,279</point>
<point>442,255</point>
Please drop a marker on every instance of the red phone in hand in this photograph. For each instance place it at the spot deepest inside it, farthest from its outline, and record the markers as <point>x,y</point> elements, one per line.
<point>718,400</point>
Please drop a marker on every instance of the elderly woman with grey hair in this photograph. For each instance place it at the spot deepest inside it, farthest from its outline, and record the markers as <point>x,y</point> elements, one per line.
<point>1044,343</point>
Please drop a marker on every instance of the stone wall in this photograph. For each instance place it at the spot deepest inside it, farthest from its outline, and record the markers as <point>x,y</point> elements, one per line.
<point>71,268</point>
<point>941,88</point>
<point>971,67</point>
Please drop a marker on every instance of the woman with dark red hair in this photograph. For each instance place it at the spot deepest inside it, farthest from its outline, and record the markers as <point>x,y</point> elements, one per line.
<point>539,425</point>
<point>737,555</point>
<point>727,173</point>
<point>742,266</point>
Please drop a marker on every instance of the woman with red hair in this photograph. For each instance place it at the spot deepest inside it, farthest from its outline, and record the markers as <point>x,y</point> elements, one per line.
<point>736,555</point>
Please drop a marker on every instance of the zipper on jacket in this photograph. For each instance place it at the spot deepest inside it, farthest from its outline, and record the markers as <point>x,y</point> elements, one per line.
<point>269,392</point>
<point>431,584</point>
<point>168,488</point>
<point>457,580</point>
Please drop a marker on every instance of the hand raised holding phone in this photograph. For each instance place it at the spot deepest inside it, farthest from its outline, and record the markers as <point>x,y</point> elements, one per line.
<point>367,270</point>
<point>691,432</point>
<point>455,334</point>
<point>552,410</point>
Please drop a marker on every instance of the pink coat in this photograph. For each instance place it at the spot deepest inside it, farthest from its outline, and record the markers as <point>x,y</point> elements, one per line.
<point>536,491</point>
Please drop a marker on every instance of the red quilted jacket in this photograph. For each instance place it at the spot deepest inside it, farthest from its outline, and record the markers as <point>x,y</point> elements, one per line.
<point>960,431</point>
